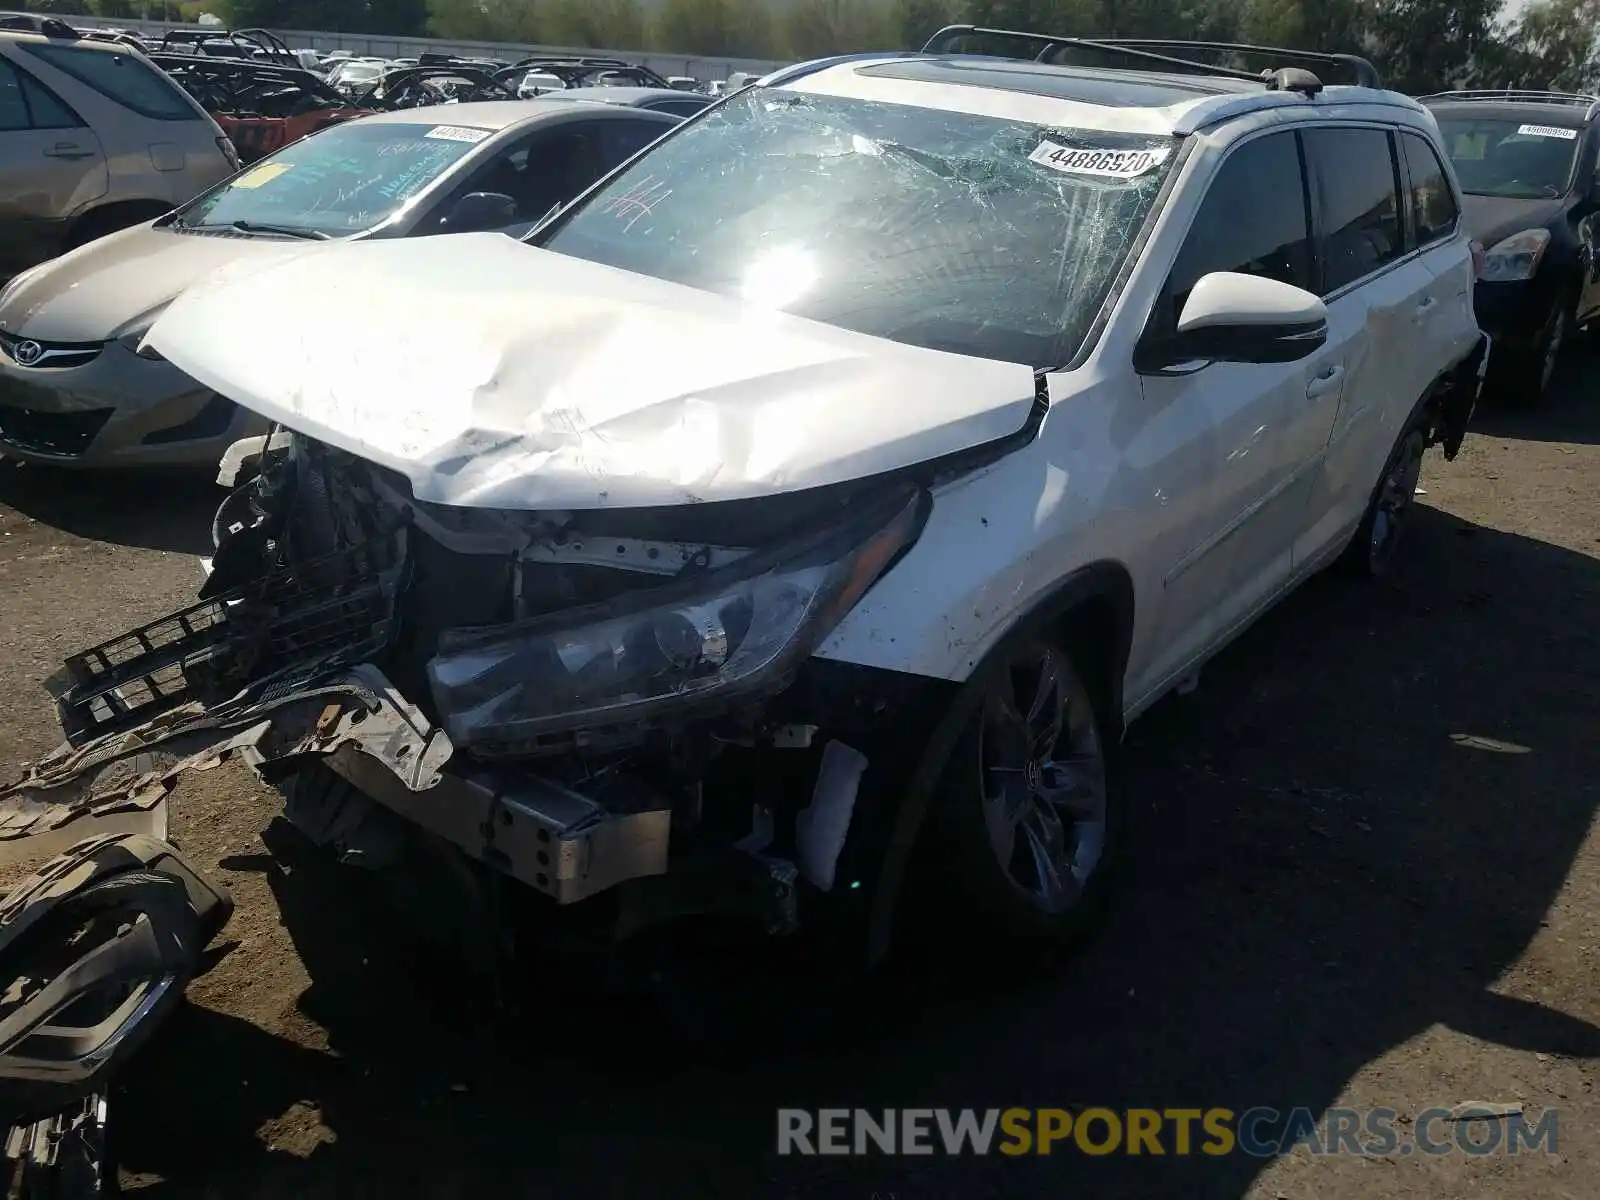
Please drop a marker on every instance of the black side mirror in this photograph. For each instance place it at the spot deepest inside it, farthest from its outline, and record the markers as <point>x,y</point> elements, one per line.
<point>478,211</point>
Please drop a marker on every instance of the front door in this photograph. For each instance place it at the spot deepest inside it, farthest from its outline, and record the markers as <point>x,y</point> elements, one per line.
<point>1264,423</point>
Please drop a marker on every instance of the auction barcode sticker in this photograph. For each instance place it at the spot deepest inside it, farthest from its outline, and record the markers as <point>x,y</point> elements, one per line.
<point>1110,164</point>
<point>456,133</point>
<point>1555,131</point>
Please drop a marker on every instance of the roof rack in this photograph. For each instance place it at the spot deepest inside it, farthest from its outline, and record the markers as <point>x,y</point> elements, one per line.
<point>1047,47</point>
<point>1590,103</point>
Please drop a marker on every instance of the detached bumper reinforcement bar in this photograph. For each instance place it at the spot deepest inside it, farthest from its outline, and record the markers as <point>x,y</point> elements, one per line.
<point>540,832</point>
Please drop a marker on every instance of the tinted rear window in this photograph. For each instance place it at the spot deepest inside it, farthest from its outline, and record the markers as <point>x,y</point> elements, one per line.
<point>122,78</point>
<point>1433,207</point>
<point>1358,200</point>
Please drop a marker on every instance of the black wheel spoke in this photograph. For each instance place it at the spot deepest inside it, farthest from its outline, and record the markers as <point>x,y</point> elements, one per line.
<point>1043,779</point>
<point>1046,709</point>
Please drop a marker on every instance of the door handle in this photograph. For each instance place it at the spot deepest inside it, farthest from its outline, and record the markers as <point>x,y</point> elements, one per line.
<point>1324,381</point>
<point>68,150</point>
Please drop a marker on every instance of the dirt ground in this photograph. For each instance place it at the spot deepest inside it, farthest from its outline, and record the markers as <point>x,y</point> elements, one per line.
<point>1366,872</point>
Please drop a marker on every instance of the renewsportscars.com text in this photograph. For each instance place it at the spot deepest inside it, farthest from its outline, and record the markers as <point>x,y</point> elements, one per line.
<point>1262,1132</point>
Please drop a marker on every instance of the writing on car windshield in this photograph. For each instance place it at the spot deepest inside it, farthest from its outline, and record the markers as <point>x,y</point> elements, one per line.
<point>976,235</point>
<point>1511,157</point>
<point>341,181</point>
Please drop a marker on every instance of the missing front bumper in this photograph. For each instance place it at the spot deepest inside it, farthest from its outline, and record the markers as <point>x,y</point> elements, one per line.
<point>561,842</point>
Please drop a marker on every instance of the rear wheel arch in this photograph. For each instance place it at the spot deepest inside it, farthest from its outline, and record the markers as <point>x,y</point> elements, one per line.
<point>108,218</point>
<point>1091,611</point>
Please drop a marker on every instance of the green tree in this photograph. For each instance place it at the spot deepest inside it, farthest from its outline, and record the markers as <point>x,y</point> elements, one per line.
<point>814,28</point>
<point>1429,45</point>
<point>1556,45</point>
<point>716,28</point>
<point>604,24</point>
<point>913,22</point>
<point>399,18</point>
<point>484,20</point>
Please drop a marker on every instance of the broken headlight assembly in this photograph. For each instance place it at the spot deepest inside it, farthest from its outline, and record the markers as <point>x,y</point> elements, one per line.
<point>730,634</point>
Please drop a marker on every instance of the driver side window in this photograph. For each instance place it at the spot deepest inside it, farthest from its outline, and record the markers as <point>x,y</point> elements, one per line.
<point>1254,219</point>
<point>545,168</point>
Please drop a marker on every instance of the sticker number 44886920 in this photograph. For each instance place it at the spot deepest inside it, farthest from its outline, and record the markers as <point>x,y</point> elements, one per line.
<point>1110,164</point>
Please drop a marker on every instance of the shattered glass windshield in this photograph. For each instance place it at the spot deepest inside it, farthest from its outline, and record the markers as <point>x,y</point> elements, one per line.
<point>976,235</point>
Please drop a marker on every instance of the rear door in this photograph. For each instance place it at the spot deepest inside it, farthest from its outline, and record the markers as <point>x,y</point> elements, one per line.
<point>51,166</point>
<point>1378,294</point>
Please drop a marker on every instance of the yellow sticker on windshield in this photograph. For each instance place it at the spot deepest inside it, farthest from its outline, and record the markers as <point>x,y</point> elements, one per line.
<point>257,176</point>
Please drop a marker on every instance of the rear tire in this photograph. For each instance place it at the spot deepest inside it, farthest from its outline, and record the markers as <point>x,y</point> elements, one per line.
<point>1372,551</point>
<point>101,222</point>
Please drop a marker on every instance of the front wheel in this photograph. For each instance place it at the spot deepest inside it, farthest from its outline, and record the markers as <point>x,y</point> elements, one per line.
<point>1024,839</point>
<point>1526,376</point>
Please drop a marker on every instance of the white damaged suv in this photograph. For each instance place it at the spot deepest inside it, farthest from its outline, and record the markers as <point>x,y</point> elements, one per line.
<point>801,514</point>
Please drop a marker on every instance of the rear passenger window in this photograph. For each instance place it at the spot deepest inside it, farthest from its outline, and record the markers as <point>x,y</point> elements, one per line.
<point>1433,207</point>
<point>623,139</point>
<point>1253,220</point>
<point>13,108</point>
<point>1357,201</point>
<point>47,111</point>
<point>120,77</point>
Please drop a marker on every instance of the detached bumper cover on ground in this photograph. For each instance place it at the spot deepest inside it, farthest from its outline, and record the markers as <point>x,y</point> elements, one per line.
<point>540,832</point>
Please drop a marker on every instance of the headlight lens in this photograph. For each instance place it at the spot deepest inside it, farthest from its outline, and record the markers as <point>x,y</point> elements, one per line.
<point>130,342</point>
<point>731,634</point>
<point>1516,257</point>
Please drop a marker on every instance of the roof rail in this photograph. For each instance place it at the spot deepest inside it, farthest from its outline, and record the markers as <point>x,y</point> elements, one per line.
<point>1590,103</point>
<point>1149,51</point>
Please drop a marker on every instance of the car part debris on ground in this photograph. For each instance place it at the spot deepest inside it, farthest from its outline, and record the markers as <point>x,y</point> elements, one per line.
<point>95,950</point>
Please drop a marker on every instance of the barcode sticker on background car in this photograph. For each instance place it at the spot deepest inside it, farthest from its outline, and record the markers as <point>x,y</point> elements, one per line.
<point>1555,131</point>
<point>1111,164</point>
<point>456,133</point>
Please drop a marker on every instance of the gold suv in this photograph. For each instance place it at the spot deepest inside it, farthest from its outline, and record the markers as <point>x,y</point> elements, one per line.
<point>93,138</point>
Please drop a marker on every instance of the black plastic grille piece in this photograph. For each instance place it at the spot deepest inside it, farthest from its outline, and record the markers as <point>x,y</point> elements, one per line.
<point>212,650</point>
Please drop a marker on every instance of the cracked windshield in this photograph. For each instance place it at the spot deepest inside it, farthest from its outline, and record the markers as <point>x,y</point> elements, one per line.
<point>992,238</point>
<point>344,180</point>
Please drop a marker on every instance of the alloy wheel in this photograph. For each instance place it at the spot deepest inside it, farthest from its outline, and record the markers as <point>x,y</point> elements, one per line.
<point>1395,501</point>
<point>1044,780</point>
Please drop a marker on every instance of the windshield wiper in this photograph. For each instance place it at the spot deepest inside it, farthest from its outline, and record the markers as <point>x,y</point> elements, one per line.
<point>311,235</point>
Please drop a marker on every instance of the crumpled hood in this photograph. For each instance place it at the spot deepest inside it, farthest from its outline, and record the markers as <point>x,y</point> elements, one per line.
<point>1490,218</point>
<point>495,374</point>
<point>91,293</point>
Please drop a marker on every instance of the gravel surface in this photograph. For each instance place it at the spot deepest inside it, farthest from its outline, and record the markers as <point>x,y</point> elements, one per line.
<point>1366,872</point>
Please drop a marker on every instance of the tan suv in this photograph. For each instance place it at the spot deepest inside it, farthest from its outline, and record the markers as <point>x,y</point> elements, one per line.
<point>93,138</point>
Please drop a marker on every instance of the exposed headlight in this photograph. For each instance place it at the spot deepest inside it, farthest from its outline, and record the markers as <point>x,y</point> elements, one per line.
<point>1516,257</point>
<point>131,342</point>
<point>727,635</point>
